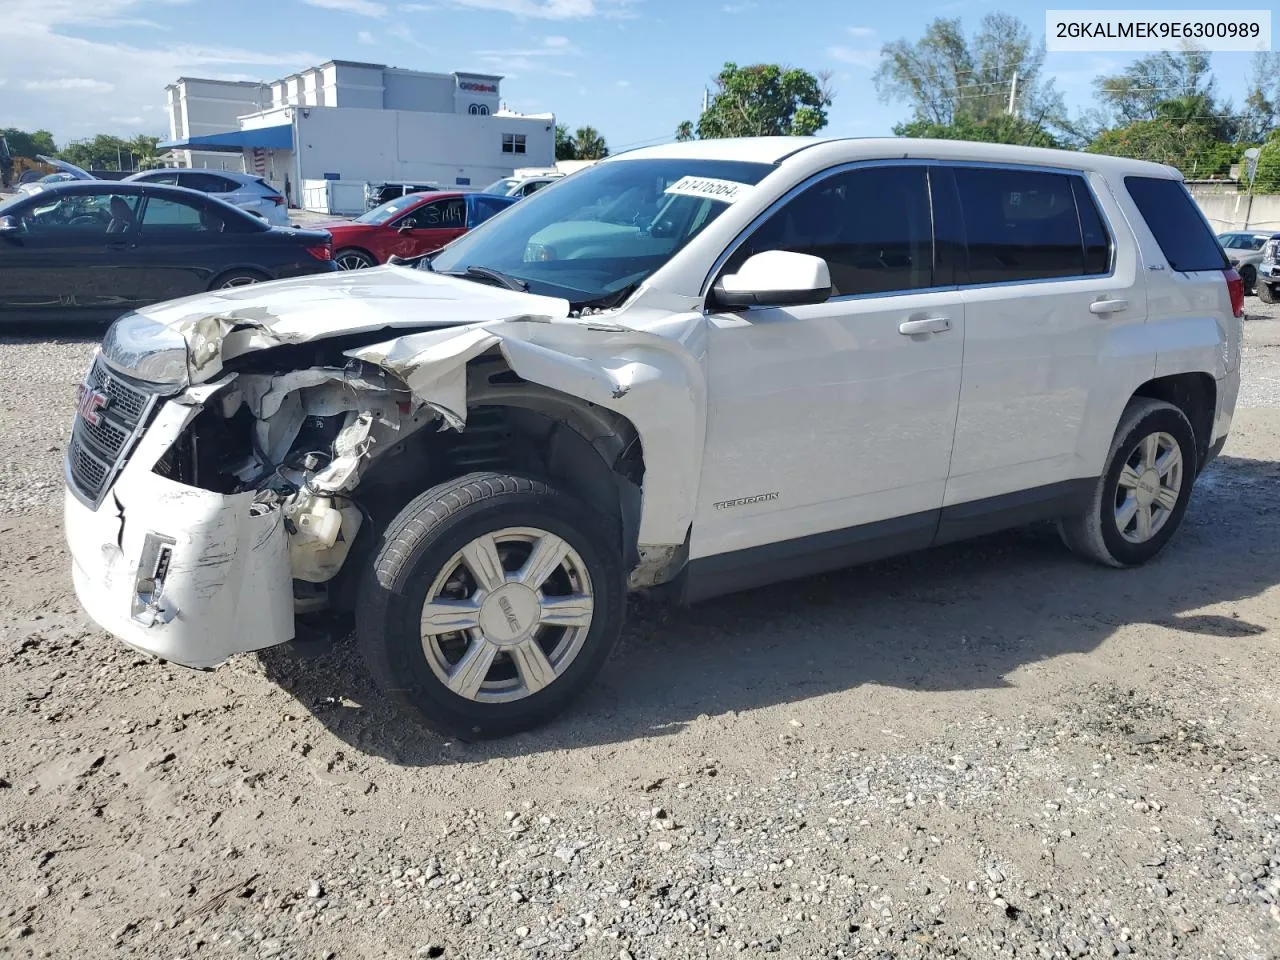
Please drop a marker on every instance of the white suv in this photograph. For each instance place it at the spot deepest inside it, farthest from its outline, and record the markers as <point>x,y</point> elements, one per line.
<point>699,368</point>
<point>244,190</point>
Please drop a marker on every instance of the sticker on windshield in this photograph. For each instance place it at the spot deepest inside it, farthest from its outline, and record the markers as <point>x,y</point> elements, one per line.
<point>726,191</point>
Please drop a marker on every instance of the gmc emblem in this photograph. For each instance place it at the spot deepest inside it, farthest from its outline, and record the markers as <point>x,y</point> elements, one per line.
<point>88,403</point>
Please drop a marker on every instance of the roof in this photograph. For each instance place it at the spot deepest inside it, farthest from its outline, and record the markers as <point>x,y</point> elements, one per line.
<point>124,188</point>
<point>777,149</point>
<point>278,137</point>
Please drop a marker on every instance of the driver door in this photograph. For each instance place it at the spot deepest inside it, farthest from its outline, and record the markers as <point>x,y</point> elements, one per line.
<point>429,226</point>
<point>64,261</point>
<point>830,425</point>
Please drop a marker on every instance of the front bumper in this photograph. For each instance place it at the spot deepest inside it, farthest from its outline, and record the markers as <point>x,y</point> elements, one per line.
<point>227,586</point>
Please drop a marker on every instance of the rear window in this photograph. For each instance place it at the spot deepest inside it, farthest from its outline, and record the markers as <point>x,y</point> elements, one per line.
<point>1175,221</point>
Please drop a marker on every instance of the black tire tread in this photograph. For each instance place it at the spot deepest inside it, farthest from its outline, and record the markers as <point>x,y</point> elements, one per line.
<point>1083,533</point>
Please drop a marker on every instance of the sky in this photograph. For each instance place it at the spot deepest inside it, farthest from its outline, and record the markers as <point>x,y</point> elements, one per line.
<point>631,68</point>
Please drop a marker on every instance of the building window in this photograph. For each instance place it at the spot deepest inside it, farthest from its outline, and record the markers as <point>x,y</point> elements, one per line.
<point>513,143</point>
<point>478,110</point>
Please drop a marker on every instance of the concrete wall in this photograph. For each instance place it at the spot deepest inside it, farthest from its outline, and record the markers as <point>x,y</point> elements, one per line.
<point>1228,209</point>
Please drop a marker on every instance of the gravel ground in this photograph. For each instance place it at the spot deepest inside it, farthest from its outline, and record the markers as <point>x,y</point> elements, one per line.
<point>987,750</point>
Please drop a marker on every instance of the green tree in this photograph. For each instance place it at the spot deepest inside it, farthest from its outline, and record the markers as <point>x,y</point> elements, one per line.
<point>103,152</point>
<point>1138,91</point>
<point>763,100</point>
<point>1262,103</point>
<point>946,75</point>
<point>1001,128</point>
<point>589,145</point>
<point>565,147</point>
<point>1266,179</point>
<point>1184,133</point>
<point>24,144</point>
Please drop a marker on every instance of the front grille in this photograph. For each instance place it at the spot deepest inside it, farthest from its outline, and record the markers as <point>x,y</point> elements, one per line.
<point>99,450</point>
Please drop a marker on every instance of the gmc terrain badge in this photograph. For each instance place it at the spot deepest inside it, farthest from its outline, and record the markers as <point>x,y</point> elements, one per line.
<point>743,501</point>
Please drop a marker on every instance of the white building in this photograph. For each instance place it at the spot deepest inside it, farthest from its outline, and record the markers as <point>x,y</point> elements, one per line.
<point>349,123</point>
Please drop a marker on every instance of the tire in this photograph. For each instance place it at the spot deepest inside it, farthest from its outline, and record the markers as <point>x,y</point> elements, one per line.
<point>352,259</point>
<point>1097,533</point>
<point>1249,277</point>
<point>237,278</point>
<point>421,556</point>
<point>1266,292</point>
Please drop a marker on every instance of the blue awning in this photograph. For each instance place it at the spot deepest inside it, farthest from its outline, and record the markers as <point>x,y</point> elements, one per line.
<point>271,138</point>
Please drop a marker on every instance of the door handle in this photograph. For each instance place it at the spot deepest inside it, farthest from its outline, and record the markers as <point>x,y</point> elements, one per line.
<point>120,245</point>
<point>1108,306</point>
<point>911,328</point>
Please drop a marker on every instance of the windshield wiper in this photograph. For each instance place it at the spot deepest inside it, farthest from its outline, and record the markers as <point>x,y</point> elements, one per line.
<point>497,277</point>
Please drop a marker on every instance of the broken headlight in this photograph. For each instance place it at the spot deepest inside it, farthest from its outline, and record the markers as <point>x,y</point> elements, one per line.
<point>143,349</point>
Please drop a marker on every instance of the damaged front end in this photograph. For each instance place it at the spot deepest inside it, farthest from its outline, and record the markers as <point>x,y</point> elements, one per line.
<point>221,470</point>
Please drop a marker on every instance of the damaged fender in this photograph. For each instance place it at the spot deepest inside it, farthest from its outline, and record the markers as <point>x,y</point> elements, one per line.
<point>653,381</point>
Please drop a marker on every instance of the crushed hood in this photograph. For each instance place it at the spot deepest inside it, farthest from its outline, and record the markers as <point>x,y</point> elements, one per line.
<point>255,317</point>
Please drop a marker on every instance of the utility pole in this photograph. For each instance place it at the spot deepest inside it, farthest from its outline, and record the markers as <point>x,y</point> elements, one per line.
<point>706,99</point>
<point>1013,91</point>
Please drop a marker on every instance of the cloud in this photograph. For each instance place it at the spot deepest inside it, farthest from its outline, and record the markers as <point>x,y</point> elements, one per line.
<point>540,59</point>
<point>550,9</point>
<point>417,7</point>
<point>861,31</point>
<point>127,121</point>
<point>859,58</point>
<point>742,7</point>
<point>361,8</point>
<point>52,64</point>
<point>623,83</point>
<point>70,83</point>
<point>364,36</point>
<point>401,32</point>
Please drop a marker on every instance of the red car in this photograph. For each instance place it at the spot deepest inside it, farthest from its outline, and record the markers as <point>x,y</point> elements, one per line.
<point>410,226</point>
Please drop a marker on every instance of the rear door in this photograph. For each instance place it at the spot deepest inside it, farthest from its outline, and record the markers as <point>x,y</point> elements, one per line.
<point>183,246</point>
<point>70,256</point>
<point>481,207</point>
<point>1047,293</point>
<point>429,226</point>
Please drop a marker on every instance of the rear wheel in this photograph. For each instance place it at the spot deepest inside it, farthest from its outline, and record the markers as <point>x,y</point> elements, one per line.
<point>236,278</point>
<point>1266,292</point>
<point>350,259</point>
<point>492,603</point>
<point>1142,494</point>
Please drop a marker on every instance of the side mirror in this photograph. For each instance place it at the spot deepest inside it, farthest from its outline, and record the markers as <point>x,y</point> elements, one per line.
<point>9,225</point>
<point>405,227</point>
<point>775,278</point>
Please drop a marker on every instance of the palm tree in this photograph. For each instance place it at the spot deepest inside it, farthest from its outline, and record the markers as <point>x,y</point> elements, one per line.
<point>589,144</point>
<point>685,130</point>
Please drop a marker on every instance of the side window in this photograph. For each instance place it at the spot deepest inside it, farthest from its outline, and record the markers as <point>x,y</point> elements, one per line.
<point>872,226</point>
<point>483,209</point>
<point>164,215</point>
<point>1097,242</point>
<point>169,177</point>
<point>442,214</point>
<point>1177,224</point>
<point>204,182</point>
<point>1020,224</point>
<point>84,214</point>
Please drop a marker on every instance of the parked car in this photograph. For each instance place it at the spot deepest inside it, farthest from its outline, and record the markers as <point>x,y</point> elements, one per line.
<point>1244,251</point>
<point>693,368</point>
<point>244,190</point>
<point>411,226</point>
<point>1268,284</point>
<point>95,249</point>
<point>37,183</point>
<point>376,194</point>
<point>521,186</point>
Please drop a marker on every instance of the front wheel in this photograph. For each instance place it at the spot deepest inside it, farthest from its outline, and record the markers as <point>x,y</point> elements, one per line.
<point>1143,491</point>
<point>1266,292</point>
<point>492,602</point>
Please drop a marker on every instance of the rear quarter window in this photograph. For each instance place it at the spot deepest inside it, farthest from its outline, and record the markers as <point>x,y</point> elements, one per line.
<point>1175,221</point>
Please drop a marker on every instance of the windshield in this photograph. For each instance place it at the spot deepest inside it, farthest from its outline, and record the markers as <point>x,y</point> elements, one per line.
<point>501,186</point>
<point>392,208</point>
<point>606,228</point>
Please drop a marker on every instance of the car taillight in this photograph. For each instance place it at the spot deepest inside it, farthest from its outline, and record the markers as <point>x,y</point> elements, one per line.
<point>321,251</point>
<point>277,200</point>
<point>1235,286</point>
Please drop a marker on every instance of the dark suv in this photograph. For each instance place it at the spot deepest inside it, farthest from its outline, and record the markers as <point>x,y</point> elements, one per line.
<point>376,194</point>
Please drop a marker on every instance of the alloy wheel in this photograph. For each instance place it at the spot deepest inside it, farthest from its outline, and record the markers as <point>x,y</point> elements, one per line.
<point>1148,487</point>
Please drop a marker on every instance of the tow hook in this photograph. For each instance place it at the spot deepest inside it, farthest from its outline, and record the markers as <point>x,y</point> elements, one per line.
<point>148,606</point>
